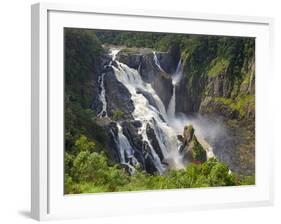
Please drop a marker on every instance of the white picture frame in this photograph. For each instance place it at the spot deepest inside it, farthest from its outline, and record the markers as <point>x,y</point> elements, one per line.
<point>47,199</point>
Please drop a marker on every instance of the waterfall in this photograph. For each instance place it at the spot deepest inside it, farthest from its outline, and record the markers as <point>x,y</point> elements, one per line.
<point>124,145</point>
<point>172,104</point>
<point>148,114</point>
<point>102,98</point>
<point>102,94</point>
<point>175,80</point>
<point>126,151</point>
<point>113,53</point>
<point>157,63</point>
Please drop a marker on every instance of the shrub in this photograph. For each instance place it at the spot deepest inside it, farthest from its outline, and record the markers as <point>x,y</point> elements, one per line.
<point>117,114</point>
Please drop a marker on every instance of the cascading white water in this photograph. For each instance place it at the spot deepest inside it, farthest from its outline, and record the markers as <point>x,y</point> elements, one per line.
<point>124,145</point>
<point>126,150</point>
<point>172,105</point>
<point>157,63</point>
<point>113,53</point>
<point>175,81</point>
<point>102,98</point>
<point>148,114</point>
<point>102,94</point>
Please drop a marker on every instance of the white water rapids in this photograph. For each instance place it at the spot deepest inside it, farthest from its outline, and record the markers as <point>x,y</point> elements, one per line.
<point>166,125</point>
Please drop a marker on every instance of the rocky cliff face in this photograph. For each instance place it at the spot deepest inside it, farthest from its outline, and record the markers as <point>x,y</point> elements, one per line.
<point>169,60</point>
<point>231,99</point>
<point>221,93</point>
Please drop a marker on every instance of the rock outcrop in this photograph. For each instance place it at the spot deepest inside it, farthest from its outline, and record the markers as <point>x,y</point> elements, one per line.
<point>191,148</point>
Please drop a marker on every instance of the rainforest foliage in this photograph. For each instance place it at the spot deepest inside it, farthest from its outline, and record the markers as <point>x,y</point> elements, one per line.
<point>90,171</point>
<point>82,49</point>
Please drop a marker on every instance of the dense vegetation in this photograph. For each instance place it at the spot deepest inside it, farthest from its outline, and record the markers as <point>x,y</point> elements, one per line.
<point>88,167</point>
<point>90,171</point>
<point>82,49</point>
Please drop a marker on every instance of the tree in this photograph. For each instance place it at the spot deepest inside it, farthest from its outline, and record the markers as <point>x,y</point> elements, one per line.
<point>84,145</point>
<point>219,175</point>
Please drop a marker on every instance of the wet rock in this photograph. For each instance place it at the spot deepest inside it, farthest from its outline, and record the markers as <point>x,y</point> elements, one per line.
<point>136,123</point>
<point>142,151</point>
<point>130,130</point>
<point>117,96</point>
<point>112,144</point>
<point>154,142</point>
<point>149,164</point>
